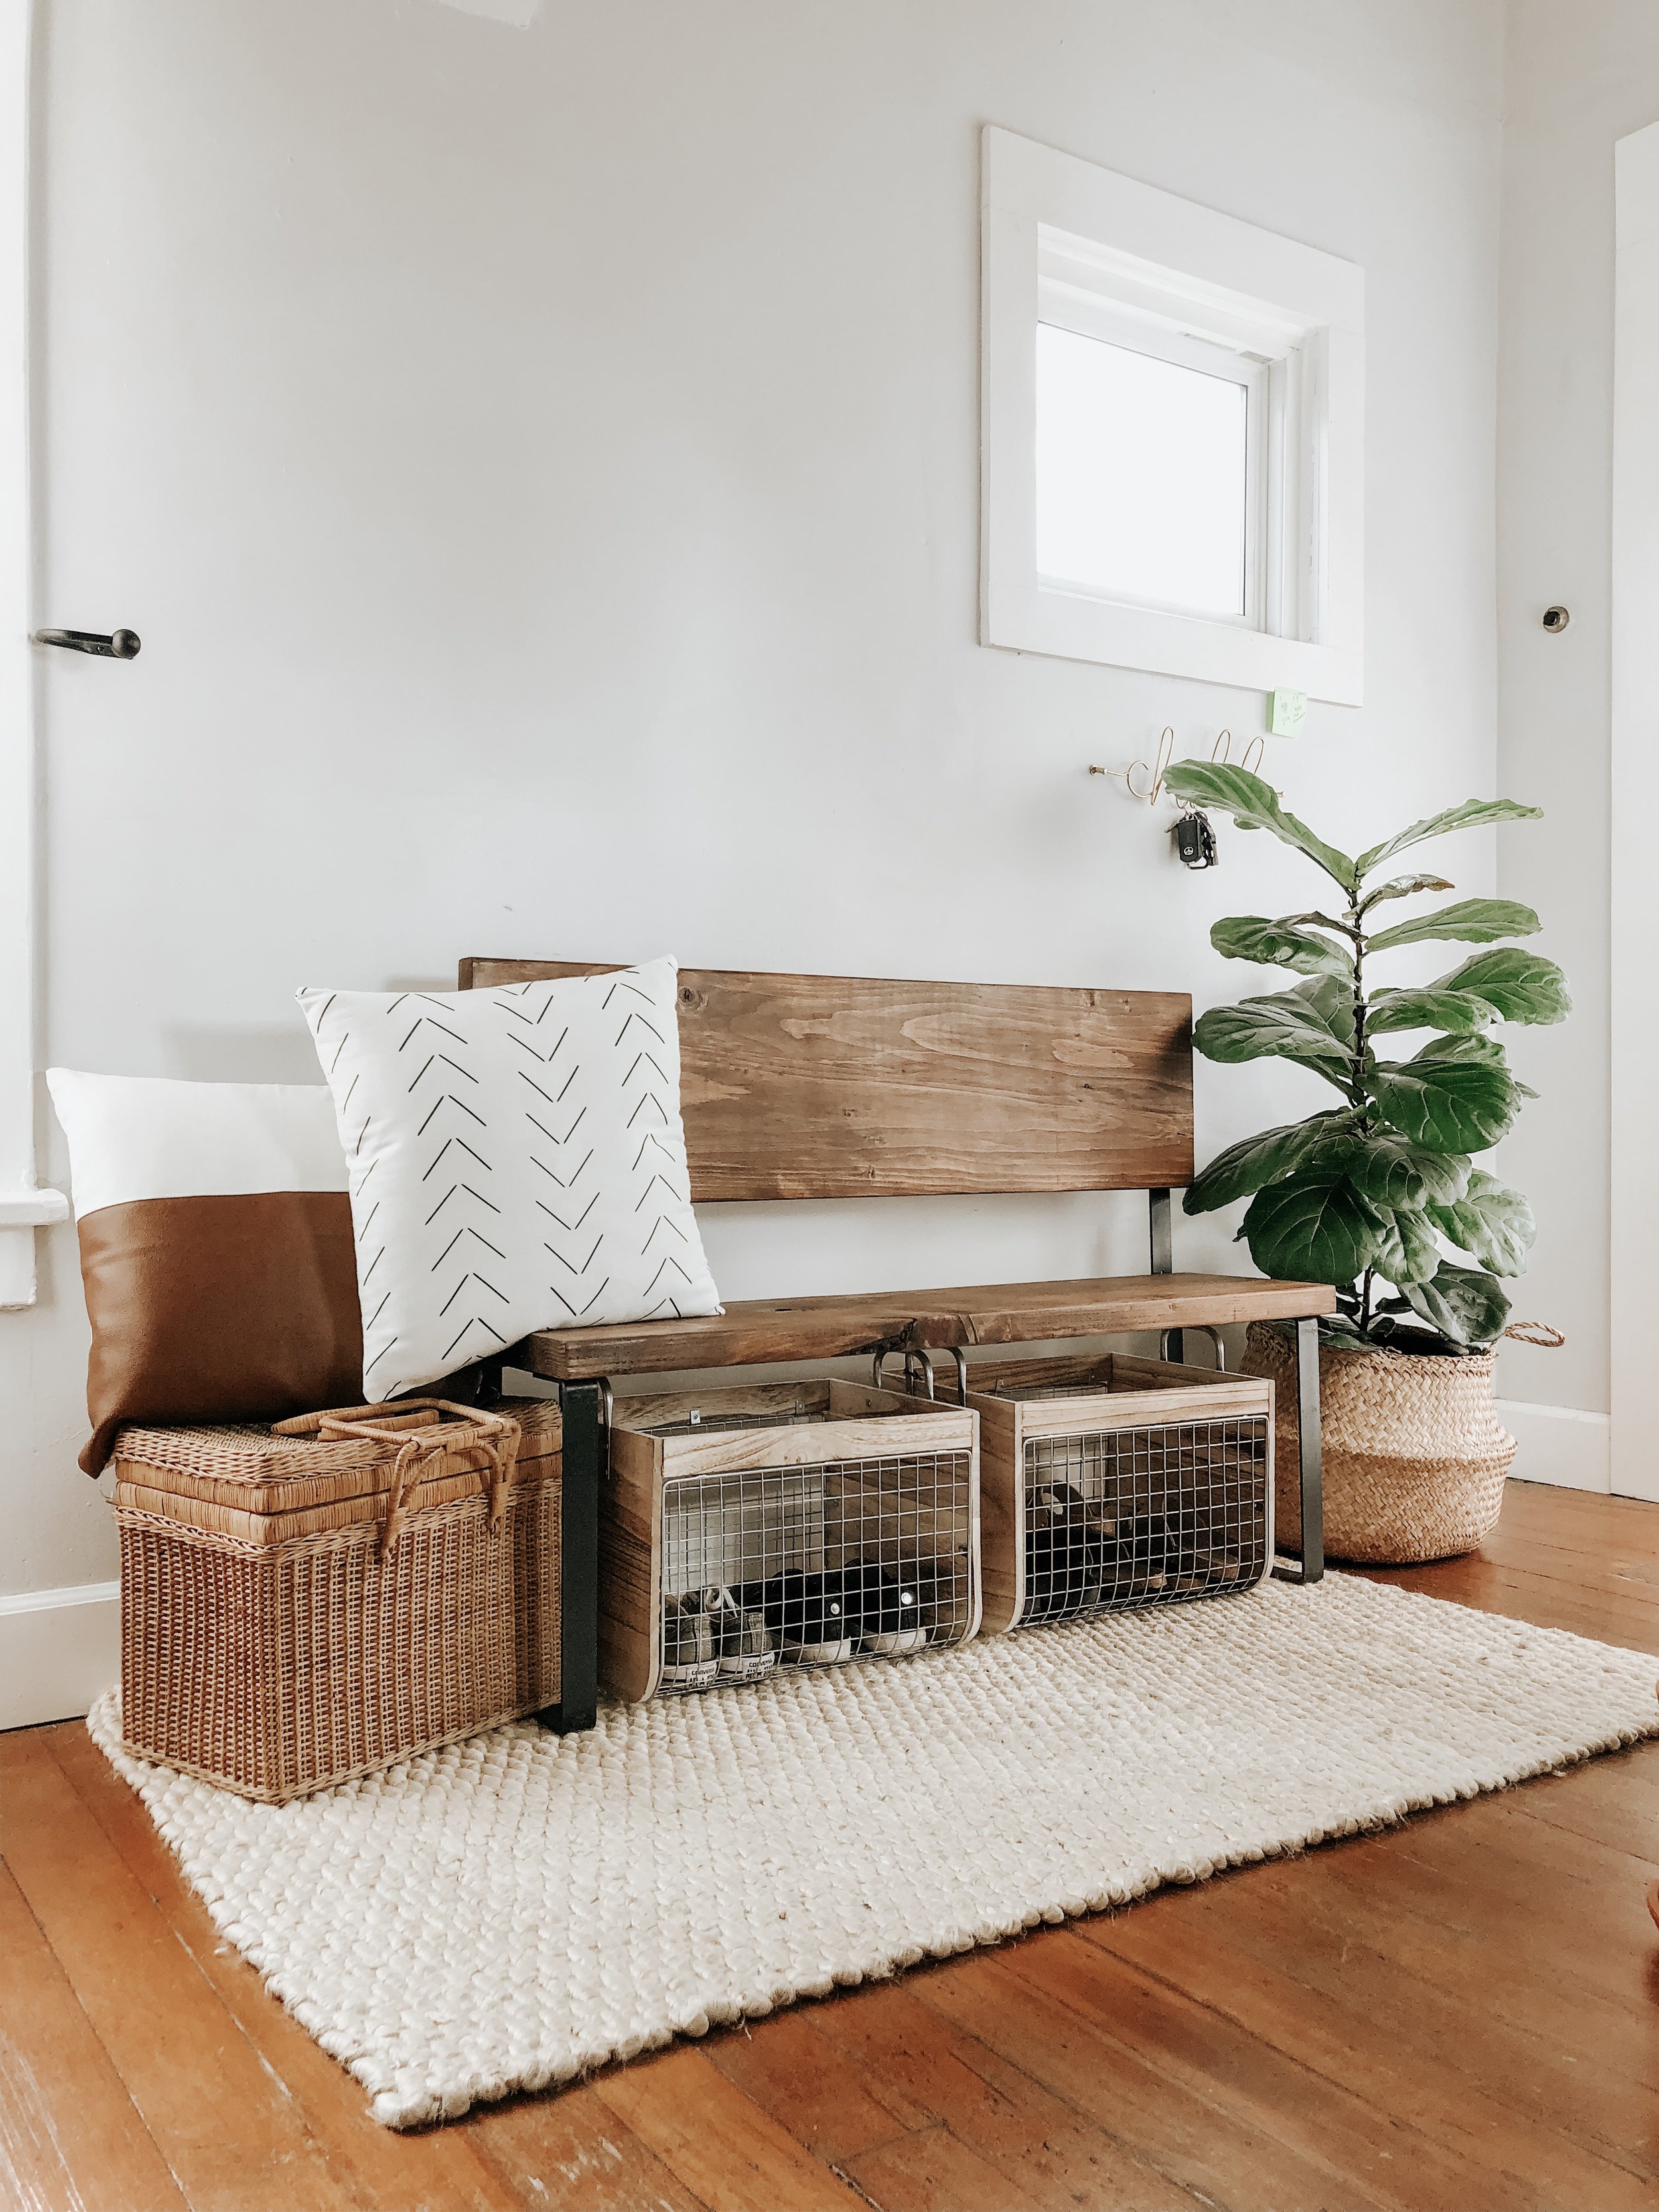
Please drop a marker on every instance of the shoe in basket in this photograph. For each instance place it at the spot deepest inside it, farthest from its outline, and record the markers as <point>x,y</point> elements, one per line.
<point>885,1609</point>
<point>807,1613</point>
<point>688,1644</point>
<point>743,1650</point>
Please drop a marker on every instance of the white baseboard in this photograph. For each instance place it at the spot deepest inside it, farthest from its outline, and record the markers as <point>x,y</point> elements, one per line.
<point>1558,1444</point>
<point>60,1649</point>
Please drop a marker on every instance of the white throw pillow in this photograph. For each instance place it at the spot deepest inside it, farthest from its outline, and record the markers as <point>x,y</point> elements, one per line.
<point>517,1162</point>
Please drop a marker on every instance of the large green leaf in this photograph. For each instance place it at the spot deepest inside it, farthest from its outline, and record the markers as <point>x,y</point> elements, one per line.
<point>1288,1025</point>
<point>1524,986</point>
<point>1403,887</point>
<point>1492,1222</point>
<point>1484,1050</point>
<point>1332,999</point>
<point>1313,1228</point>
<point>1459,1013</point>
<point>1471,815</point>
<point>1254,804</point>
<point>1383,1166</point>
<point>1409,1253</point>
<point>1470,922</point>
<point>1243,1168</point>
<point>1464,1303</point>
<point>1445,1099</point>
<point>1279,944</point>
<point>1481,1050</point>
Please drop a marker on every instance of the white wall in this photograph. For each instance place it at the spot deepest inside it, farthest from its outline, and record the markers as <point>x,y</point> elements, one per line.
<point>543,467</point>
<point>1577,81</point>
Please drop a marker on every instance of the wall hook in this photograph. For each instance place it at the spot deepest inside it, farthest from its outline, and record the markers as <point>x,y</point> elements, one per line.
<point>1221,753</point>
<point>1153,772</point>
<point>117,645</point>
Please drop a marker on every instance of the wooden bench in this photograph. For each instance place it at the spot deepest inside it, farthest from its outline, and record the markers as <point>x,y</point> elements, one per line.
<point>834,1086</point>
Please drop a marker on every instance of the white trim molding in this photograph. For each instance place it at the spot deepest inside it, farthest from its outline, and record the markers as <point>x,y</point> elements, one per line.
<point>1634,796</point>
<point>1063,240</point>
<point>60,1649</point>
<point>22,1206</point>
<point>1558,1445</point>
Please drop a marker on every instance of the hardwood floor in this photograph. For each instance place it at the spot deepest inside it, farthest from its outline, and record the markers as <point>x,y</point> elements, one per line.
<point>1460,2015</point>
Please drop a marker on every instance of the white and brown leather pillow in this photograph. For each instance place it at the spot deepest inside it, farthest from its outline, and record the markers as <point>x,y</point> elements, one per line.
<point>216,1250</point>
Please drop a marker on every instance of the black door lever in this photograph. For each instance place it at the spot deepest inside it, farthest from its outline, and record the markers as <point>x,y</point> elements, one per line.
<point>120,645</point>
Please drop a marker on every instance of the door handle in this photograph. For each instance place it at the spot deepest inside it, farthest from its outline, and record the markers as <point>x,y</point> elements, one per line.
<point>118,645</point>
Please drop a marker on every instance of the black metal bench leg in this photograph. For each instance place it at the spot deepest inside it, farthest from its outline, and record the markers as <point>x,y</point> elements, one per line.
<point>1311,1467</point>
<point>586,1439</point>
<point>1162,1211</point>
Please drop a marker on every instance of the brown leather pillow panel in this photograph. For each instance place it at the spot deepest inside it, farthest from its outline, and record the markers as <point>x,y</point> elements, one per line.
<point>219,1310</point>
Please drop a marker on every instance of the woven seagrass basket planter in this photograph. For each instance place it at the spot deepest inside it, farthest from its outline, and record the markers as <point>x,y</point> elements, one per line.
<point>1415,1456</point>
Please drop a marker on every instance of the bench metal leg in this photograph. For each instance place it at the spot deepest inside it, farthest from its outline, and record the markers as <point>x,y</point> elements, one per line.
<point>1311,1465</point>
<point>1162,1227</point>
<point>586,1440</point>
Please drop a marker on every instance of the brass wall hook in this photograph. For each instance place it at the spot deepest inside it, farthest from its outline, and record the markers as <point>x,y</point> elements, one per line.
<point>1154,770</point>
<point>1221,753</point>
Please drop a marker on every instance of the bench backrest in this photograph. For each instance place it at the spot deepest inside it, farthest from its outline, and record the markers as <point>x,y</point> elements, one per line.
<point>847,1086</point>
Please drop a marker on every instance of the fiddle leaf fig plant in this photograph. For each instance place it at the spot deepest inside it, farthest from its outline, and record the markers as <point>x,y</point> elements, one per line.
<point>1369,1193</point>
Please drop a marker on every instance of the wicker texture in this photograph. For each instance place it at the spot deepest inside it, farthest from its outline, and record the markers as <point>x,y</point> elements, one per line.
<point>1415,1456</point>
<point>282,1630</point>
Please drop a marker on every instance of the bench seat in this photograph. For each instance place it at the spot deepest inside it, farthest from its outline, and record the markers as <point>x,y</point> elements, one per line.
<point>753,1332</point>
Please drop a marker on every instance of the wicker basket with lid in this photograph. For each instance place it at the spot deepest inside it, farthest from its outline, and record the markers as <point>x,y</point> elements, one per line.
<point>306,1603</point>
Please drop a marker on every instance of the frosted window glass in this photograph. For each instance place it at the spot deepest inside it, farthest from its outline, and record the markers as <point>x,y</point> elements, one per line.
<point>1141,476</point>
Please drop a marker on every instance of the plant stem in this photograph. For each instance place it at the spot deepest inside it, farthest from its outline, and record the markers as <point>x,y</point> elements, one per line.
<point>1365,1303</point>
<point>1358,1086</point>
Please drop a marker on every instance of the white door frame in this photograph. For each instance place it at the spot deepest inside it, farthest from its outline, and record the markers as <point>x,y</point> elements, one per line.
<point>22,1205</point>
<point>1634,809</point>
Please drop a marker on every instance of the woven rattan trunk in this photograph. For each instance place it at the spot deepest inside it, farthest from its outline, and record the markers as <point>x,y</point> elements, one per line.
<point>266,1643</point>
<point>1111,1484</point>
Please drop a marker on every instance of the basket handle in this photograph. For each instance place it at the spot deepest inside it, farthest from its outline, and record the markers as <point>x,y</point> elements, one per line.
<point>1536,1332</point>
<point>425,1438</point>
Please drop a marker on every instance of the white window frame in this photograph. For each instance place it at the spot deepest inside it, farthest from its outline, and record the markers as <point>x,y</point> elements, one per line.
<point>1065,241</point>
<point>23,1206</point>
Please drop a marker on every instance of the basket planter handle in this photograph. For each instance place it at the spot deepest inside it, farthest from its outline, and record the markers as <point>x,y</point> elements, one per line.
<point>1536,1332</point>
<point>418,1428</point>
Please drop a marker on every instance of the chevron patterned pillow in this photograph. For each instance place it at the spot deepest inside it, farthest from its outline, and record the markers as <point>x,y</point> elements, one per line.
<point>517,1162</point>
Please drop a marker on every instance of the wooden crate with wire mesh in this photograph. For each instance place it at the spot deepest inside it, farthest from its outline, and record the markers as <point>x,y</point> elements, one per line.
<point>790,1524</point>
<point>305,1603</point>
<point>1112,1484</point>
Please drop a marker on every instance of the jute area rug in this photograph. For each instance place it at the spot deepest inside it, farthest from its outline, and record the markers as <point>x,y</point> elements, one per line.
<point>508,1912</point>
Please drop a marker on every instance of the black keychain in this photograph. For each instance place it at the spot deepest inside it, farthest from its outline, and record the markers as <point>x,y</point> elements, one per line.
<point>1196,840</point>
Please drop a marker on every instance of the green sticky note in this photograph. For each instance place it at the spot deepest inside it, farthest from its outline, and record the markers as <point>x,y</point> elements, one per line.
<point>1286,712</point>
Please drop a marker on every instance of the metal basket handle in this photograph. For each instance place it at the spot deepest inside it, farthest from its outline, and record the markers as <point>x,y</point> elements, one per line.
<point>1197,1328</point>
<point>919,1365</point>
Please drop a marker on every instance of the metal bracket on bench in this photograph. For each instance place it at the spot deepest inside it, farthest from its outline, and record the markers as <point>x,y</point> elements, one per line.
<point>1310,1462</point>
<point>587,1410</point>
<point>1163,1228</point>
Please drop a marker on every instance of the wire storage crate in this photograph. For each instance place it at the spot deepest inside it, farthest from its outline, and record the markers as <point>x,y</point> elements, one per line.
<point>1112,1483</point>
<point>799,1524</point>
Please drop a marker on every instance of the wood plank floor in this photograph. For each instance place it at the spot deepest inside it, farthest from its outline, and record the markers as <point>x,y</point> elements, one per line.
<point>1461,2016</point>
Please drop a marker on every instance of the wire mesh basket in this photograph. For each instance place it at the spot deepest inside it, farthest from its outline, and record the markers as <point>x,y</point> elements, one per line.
<point>1112,1483</point>
<point>798,1524</point>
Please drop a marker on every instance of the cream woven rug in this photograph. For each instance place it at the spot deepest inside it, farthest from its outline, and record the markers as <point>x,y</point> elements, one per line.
<point>506,1913</point>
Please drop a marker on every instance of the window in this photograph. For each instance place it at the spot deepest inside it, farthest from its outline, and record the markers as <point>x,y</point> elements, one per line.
<point>1143,478</point>
<point>1172,429</point>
